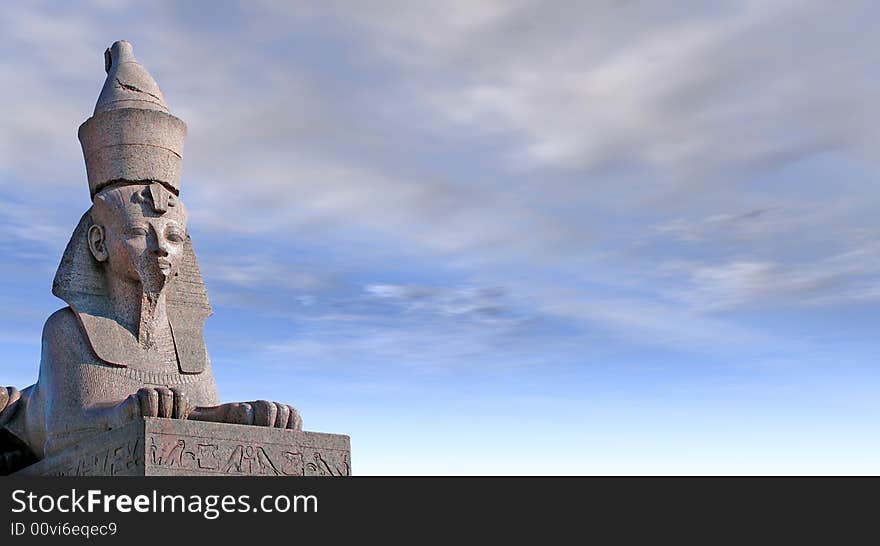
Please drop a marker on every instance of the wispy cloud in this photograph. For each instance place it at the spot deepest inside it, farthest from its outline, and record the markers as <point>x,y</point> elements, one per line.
<point>614,167</point>
<point>683,87</point>
<point>852,277</point>
<point>481,302</point>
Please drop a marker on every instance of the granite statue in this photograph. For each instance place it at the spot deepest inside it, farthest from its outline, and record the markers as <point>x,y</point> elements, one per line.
<point>130,342</point>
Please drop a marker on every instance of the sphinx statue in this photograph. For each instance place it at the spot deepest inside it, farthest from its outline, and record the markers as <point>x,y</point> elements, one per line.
<point>130,342</point>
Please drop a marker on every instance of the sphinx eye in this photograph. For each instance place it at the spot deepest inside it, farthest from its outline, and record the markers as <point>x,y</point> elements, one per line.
<point>137,231</point>
<point>175,236</point>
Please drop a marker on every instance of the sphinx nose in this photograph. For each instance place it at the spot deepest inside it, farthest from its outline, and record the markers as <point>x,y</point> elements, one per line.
<point>161,247</point>
<point>159,244</point>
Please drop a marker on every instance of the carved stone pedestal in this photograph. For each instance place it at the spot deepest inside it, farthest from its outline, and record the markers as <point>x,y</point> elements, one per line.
<point>171,447</point>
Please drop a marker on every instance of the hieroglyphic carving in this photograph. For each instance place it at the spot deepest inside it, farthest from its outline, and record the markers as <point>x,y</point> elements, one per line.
<point>173,452</point>
<point>320,467</point>
<point>250,460</point>
<point>218,456</point>
<point>293,464</point>
<point>163,447</point>
<point>112,461</point>
<point>208,457</point>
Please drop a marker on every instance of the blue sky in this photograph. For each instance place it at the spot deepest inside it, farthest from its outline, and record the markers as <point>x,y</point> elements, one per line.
<point>498,237</point>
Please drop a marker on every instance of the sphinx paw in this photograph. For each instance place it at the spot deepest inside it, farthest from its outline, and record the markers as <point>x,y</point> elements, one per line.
<point>168,402</point>
<point>263,413</point>
<point>8,397</point>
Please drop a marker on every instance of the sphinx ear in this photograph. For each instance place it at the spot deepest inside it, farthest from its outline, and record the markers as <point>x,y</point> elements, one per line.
<point>97,243</point>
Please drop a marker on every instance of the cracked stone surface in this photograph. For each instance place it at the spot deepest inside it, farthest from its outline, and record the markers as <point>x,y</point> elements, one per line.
<point>128,84</point>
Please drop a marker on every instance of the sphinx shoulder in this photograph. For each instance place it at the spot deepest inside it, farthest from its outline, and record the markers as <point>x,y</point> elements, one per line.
<point>63,332</point>
<point>60,321</point>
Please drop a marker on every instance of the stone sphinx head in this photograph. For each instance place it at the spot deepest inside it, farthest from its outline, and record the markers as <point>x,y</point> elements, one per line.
<point>134,237</point>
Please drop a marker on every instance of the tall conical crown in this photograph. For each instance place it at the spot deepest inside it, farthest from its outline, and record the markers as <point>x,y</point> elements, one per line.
<point>131,136</point>
<point>128,84</point>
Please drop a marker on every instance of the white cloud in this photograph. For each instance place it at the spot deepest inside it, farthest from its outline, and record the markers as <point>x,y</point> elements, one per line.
<point>851,277</point>
<point>684,88</point>
<point>615,151</point>
<point>643,323</point>
<point>484,303</point>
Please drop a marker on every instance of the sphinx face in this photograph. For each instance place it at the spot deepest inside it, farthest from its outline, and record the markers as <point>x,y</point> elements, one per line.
<point>143,241</point>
